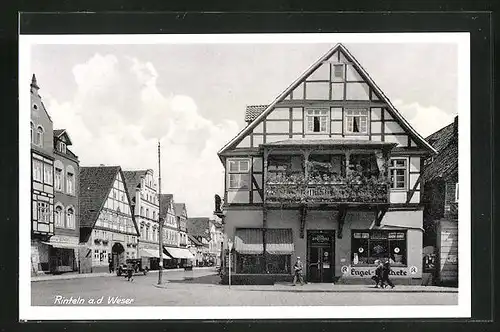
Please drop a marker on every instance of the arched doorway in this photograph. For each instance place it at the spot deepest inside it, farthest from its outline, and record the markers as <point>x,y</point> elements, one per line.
<point>118,254</point>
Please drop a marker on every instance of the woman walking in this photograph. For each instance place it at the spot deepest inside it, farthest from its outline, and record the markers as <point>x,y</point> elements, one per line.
<point>385,275</point>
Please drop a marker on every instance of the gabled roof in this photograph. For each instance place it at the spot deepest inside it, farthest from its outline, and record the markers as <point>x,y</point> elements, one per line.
<point>445,164</point>
<point>199,227</point>
<point>133,181</point>
<point>195,241</point>
<point>58,133</point>
<point>339,47</point>
<point>179,208</point>
<point>165,201</point>
<point>95,184</point>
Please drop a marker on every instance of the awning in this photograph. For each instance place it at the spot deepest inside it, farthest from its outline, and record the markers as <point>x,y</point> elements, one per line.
<point>279,241</point>
<point>63,245</point>
<point>179,253</point>
<point>151,253</point>
<point>248,241</point>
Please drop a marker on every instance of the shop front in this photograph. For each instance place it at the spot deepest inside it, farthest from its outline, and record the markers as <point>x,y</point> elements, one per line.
<point>63,253</point>
<point>180,257</point>
<point>329,253</point>
<point>153,255</point>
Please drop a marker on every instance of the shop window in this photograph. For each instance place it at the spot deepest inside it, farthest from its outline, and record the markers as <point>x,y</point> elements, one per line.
<point>251,264</point>
<point>368,246</point>
<point>278,264</point>
<point>397,172</point>
<point>238,174</point>
<point>97,255</point>
<point>317,121</point>
<point>356,121</point>
<point>103,256</point>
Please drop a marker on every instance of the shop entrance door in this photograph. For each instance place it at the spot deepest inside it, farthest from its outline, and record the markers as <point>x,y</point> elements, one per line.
<point>320,256</point>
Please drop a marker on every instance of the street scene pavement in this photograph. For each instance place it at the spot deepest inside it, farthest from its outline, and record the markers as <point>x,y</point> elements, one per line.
<point>201,287</point>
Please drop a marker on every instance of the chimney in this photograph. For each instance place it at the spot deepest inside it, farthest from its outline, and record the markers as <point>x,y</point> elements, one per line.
<point>34,85</point>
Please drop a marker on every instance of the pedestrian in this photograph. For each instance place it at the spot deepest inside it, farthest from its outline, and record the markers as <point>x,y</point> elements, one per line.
<point>297,268</point>
<point>378,273</point>
<point>130,271</point>
<point>385,275</point>
<point>110,262</point>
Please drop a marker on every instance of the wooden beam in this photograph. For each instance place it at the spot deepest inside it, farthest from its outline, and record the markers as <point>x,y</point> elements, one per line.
<point>342,212</point>
<point>303,215</point>
<point>380,214</point>
<point>409,194</point>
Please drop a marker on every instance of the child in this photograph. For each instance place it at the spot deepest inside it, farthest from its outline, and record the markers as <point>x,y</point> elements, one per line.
<point>378,274</point>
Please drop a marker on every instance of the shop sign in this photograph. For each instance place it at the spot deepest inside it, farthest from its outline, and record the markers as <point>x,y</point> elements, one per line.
<point>64,239</point>
<point>368,272</point>
<point>344,269</point>
<point>320,238</point>
<point>413,270</point>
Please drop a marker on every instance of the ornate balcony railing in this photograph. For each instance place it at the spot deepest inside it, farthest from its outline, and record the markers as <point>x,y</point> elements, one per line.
<point>298,189</point>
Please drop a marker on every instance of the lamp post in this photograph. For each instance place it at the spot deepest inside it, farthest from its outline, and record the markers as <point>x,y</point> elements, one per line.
<point>230,247</point>
<point>160,220</point>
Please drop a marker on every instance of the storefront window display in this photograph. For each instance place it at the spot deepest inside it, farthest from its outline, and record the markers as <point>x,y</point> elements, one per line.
<point>368,246</point>
<point>252,264</point>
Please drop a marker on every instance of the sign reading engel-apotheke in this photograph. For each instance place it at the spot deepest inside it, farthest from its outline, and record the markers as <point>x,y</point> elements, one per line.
<point>64,239</point>
<point>368,272</point>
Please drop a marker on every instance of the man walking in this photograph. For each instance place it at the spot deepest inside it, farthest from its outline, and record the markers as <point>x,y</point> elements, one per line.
<point>385,275</point>
<point>297,268</point>
<point>378,273</point>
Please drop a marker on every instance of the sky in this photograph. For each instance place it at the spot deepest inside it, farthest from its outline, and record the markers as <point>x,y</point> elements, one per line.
<point>118,101</point>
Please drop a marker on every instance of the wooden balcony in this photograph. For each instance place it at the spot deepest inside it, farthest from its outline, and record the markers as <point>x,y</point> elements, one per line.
<point>347,190</point>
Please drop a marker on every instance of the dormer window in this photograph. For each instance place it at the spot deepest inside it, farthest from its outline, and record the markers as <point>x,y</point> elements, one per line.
<point>62,147</point>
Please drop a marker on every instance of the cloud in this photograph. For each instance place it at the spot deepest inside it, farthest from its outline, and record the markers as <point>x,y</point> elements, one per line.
<point>117,116</point>
<point>425,120</point>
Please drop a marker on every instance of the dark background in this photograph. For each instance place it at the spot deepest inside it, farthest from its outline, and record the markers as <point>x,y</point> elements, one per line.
<point>281,16</point>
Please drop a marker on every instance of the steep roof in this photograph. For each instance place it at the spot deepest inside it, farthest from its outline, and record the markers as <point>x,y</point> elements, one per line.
<point>165,200</point>
<point>60,132</point>
<point>199,227</point>
<point>195,241</point>
<point>95,184</point>
<point>339,47</point>
<point>133,181</point>
<point>179,208</point>
<point>445,164</point>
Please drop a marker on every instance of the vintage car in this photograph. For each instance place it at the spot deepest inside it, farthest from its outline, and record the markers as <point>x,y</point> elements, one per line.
<point>139,265</point>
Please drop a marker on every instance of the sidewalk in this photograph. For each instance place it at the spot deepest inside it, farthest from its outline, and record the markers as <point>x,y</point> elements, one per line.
<point>68,276</point>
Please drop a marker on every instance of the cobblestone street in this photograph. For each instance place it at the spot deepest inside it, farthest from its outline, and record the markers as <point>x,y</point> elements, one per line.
<point>201,288</point>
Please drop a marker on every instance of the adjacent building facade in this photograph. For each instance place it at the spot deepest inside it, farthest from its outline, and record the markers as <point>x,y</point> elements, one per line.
<point>64,244</point>
<point>441,202</point>
<point>328,171</point>
<point>171,236</point>
<point>181,215</point>
<point>142,190</point>
<point>107,226</point>
<point>216,240</point>
<point>199,236</point>
<point>42,182</point>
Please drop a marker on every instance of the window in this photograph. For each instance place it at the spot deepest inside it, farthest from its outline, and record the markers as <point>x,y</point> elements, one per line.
<point>62,147</point>
<point>147,213</point>
<point>59,217</point>
<point>104,256</point>
<point>32,133</point>
<point>142,211</point>
<point>58,179</point>
<point>47,174</point>
<point>70,218</point>
<point>356,121</point>
<point>97,256</point>
<point>43,212</point>
<point>39,136</point>
<point>154,215</point>
<point>37,170</point>
<point>368,246</point>
<point>317,121</point>
<point>70,183</point>
<point>397,172</point>
<point>142,231</point>
<point>238,174</point>
<point>338,72</point>
<point>456,192</point>
<point>251,264</point>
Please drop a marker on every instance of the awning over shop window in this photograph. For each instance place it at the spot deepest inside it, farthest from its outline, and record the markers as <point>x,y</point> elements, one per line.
<point>63,245</point>
<point>151,253</point>
<point>279,241</point>
<point>179,253</point>
<point>248,241</point>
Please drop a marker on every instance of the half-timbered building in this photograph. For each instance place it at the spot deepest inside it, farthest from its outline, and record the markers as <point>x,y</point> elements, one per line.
<point>42,182</point>
<point>107,226</point>
<point>329,171</point>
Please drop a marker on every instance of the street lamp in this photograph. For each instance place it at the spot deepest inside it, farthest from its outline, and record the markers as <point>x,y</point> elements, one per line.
<point>230,247</point>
